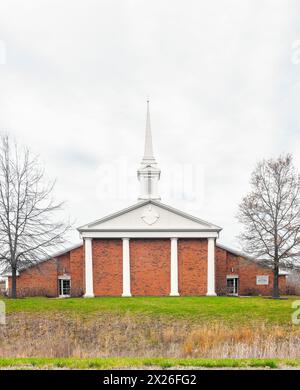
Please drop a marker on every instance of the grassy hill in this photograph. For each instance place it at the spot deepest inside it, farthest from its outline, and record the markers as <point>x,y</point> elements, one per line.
<point>118,332</point>
<point>226,309</point>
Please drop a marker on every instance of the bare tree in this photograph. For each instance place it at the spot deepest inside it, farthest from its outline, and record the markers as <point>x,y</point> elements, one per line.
<point>29,230</point>
<point>270,214</point>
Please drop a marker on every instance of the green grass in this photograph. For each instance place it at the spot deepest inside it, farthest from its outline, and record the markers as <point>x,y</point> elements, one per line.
<point>199,308</point>
<point>108,363</point>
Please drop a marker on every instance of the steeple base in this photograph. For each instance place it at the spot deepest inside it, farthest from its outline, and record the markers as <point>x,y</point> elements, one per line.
<point>149,198</point>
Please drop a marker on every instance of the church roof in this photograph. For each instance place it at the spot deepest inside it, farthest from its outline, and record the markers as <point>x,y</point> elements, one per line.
<point>139,222</point>
<point>239,253</point>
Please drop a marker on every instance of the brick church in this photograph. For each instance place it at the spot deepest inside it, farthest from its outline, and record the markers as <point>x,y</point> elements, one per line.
<point>148,249</point>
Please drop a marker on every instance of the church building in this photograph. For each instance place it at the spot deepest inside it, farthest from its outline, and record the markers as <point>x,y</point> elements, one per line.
<point>147,249</point>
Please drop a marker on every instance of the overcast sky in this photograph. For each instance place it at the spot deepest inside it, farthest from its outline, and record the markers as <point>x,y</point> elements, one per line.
<point>224,84</point>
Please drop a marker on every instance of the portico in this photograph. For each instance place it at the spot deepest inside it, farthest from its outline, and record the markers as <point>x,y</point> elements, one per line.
<point>181,227</point>
<point>151,220</point>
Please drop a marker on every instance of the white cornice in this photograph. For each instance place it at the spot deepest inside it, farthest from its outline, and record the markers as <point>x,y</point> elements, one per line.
<point>208,226</point>
<point>149,234</point>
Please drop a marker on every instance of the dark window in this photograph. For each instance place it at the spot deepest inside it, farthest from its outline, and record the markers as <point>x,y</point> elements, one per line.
<point>64,287</point>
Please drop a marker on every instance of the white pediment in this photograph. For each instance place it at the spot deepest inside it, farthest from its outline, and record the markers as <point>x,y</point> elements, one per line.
<point>149,216</point>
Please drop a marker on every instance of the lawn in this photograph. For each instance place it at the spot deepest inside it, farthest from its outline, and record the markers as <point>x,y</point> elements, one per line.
<point>112,363</point>
<point>167,332</point>
<point>228,309</point>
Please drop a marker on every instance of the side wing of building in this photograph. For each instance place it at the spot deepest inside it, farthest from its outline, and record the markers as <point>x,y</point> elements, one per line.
<point>239,275</point>
<point>63,275</point>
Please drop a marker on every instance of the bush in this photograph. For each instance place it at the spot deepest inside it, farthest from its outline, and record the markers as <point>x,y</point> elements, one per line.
<point>251,292</point>
<point>34,292</point>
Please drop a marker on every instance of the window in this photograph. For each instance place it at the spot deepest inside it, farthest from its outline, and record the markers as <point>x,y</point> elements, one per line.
<point>232,285</point>
<point>2,285</point>
<point>262,280</point>
<point>64,287</point>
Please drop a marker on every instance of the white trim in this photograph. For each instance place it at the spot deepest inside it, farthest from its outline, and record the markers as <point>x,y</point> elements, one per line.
<point>61,252</point>
<point>149,234</point>
<point>126,267</point>
<point>247,257</point>
<point>65,277</point>
<point>174,268</point>
<point>211,267</point>
<point>283,273</point>
<point>89,285</point>
<point>235,251</point>
<point>157,203</point>
<point>9,274</point>
<point>50,257</point>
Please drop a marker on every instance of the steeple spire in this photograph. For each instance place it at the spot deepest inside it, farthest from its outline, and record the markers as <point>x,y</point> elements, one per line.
<point>149,173</point>
<point>148,152</point>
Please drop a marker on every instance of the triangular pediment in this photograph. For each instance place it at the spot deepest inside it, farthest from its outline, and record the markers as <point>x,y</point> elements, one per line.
<point>149,215</point>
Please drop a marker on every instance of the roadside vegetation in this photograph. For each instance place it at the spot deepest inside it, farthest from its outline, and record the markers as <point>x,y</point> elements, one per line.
<point>113,363</point>
<point>149,328</point>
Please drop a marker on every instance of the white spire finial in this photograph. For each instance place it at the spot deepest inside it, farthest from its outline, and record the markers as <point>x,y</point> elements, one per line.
<point>149,173</point>
<point>148,152</point>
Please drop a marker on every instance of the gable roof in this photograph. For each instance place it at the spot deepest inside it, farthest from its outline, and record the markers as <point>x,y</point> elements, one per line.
<point>235,252</point>
<point>7,270</point>
<point>246,256</point>
<point>94,225</point>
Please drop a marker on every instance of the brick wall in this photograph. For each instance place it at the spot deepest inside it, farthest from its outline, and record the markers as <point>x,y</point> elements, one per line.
<point>220,270</point>
<point>77,271</point>
<point>192,266</point>
<point>42,279</point>
<point>150,270</point>
<point>150,266</point>
<point>228,263</point>
<point>107,267</point>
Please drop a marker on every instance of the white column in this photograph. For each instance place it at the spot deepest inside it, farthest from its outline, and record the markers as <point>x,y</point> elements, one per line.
<point>211,267</point>
<point>174,268</point>
<point>89,284</point>
<point>126,268</point>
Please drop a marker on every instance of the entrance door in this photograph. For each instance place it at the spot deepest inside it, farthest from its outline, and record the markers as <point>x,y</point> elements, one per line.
<point>232,285</point>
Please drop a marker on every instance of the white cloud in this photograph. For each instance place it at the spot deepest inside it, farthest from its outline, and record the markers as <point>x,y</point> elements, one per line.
<point>224,91</point>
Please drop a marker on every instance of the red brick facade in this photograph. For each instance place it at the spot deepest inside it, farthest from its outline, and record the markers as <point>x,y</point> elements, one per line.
<point>149,270</point>
<point>107,267</point>
<point>229,264</point>
<point>77,271</point>
<point>192,266</point>
<point>43,279</point>
<point>150,267</point>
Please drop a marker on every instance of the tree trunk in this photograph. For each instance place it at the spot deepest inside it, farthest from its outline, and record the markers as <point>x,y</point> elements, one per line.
<point>275,281</point>
<point>13,283</point>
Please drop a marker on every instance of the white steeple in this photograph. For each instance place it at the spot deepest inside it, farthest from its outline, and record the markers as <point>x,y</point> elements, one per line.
<point>148,174</point>
<point>148,153</point>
